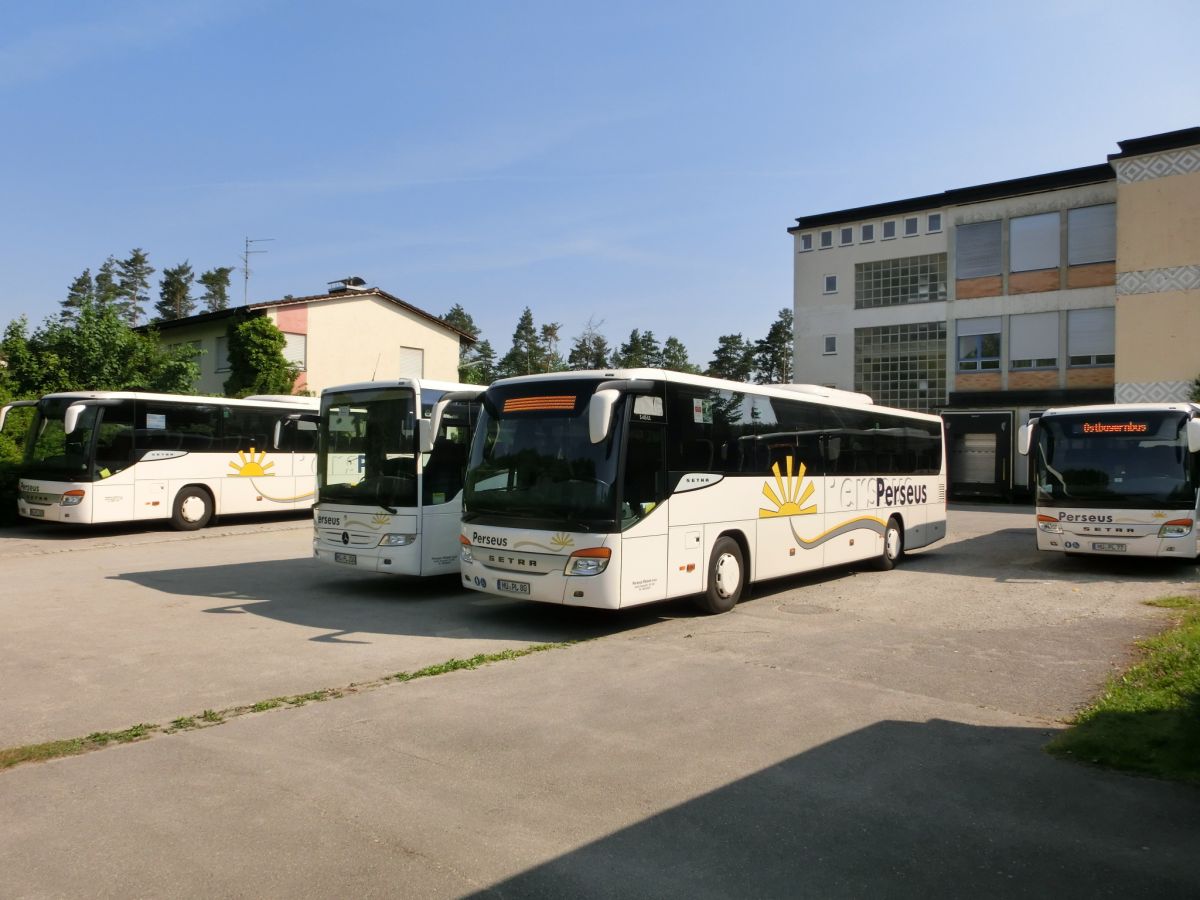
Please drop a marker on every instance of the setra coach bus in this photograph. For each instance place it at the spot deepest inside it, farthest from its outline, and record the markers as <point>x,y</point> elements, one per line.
<point>1117,479</point>
<point>617,488</point>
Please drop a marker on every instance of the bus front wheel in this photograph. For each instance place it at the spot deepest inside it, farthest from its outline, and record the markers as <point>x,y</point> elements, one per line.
<point>893,545</point>
<point>193,509</point>
<point>726,577</point>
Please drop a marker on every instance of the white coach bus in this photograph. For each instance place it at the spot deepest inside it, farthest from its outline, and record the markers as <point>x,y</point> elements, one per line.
<point>613,489</point>
<point>389,480</point>
<point>1119,479</point>
<point>116,456</point>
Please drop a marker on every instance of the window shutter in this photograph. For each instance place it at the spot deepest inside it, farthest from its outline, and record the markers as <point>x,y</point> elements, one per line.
<point>977,252</point>
<point>412,362</point>
<point>295,350</point>
<point>1090,332</point>
<point>1033,336</point>
<point>982,325</point>
<point>1033,242</point>
<point>1092,235</point>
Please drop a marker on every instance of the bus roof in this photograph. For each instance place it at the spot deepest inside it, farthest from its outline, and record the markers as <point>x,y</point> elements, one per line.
<point>813,393</point>
<point>260,400</point>
<point>1119,408</point>
<point>405,382</point>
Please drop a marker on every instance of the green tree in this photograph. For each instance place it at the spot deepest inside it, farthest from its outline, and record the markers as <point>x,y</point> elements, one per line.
<point>526,355</point>
<point>590,350</point>
<point>175,301</point>
<point>482,365</point>
<point>216,288</point>
<point>773,354</point>
<point>133,284</point>
<point>106,289</point>
<point>256,361</point>
<point>640,351</point>
<point>551,360</point>
<point>733,358</point>
<point>675,357</point>
<point>468,352</point>
<point>82,290</point>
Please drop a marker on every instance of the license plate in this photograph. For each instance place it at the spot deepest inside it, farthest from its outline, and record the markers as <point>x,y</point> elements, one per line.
<point>1118,548</point>
<point>37,513</point>
<point>513,587</point>
<point>348,558</point>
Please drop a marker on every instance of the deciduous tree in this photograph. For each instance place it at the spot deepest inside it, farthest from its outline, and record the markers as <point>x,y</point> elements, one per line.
<point>256,361</point>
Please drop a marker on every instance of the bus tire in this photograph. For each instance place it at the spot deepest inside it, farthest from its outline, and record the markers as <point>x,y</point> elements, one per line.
<point>726,577</point>
<point>893,546</point>
<point>193,509</point>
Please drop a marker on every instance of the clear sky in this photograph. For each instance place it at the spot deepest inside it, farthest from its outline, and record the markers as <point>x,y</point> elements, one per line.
<point>630,162</point>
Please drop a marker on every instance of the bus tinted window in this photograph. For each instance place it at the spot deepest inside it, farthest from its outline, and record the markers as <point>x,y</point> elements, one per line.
<point>176,426</point>
<point>245,428</point>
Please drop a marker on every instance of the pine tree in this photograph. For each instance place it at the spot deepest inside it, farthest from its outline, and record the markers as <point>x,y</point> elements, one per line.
<point>640,351</point>
<point>590,350</point>
<point>468,353</point>
<point>175,301</point>
<point>133,284</point>
<point>106,290</point>
<point>733,359</point>
<point>675,357</point>
<point>216,288</point>
<point>82,290</point>
<point>526,355</point>
<point>773,354</point>
<point>482,369</point>
<point>551,360</point>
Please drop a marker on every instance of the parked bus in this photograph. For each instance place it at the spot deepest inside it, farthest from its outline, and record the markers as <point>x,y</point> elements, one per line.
<point>117,456</point>
<point>390,480</point>
<point>613,489</point>
<point>1120,479</point>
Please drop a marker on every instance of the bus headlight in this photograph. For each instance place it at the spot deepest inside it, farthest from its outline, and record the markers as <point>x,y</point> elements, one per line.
<point>591,561</point>
<point>1049,525</point>
<point>71,498</point>
<point>1176,528</point>
<point>464,551</point>
<point>397,540</point>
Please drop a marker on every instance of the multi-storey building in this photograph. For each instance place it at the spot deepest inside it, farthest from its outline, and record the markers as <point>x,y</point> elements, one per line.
<point>990,303</point>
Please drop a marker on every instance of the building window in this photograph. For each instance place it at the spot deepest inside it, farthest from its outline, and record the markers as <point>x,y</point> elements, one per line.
<point>847,236</point>
<point>295,350</point>
<point>910,226</point>
<point>805,243</point>
<point>978,344</point>
<point>867,234</point>
<point>977,253</point>
<point>897,282</point>
<point>1033,341</point>
<point>1091,234</point>
<point>889,230</point>
<point>1090,337</point>
<point>1033,242</point>
<point>902,365</point>
<point>830,345</point>
<point>412,362</point>
<point>934,223</point>
<point>222,353</point>
<point>831,284</point>
<point>826,240</point>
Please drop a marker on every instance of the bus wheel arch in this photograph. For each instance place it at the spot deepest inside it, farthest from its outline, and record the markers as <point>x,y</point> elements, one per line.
<point>194,507</point>
<point>728,573</point>
<point>893,544</point>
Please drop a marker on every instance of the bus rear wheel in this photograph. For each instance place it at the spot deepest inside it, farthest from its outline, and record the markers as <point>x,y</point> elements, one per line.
<point>193,509</point>
<point>893,545</point>
<point>726,577</point>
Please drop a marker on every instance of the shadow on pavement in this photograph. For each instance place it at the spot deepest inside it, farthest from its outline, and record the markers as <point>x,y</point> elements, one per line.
<point>901,809</point>
<point>351,607</point>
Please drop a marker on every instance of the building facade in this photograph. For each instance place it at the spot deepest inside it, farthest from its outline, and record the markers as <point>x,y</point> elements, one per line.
<point>351,333</point>
<point>991,303</point>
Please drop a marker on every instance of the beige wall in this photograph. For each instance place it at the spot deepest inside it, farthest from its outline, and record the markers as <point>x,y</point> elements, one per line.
<point>357,338</point>
<point>1156,337</point>
<point>1158,223</point>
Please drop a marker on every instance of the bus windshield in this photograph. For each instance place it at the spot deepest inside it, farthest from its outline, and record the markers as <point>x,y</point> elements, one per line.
<point>533,463</point>
<point>368,448</point>
<point>1119,460</point>
<point>53,454</point>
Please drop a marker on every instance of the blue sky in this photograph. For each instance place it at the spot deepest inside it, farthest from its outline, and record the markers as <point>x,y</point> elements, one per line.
<point>635,164</point>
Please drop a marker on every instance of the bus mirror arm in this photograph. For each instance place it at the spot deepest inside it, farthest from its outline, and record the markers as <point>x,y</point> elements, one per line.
<point>4,409</point>
<point>1193,435</point>
<point>427,429</point>
<point>1025,438</point>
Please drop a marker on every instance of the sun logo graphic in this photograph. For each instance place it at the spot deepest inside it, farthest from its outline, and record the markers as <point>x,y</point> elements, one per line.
<point>790,493</point>
<point>251,466</point>
<point>562,540</point>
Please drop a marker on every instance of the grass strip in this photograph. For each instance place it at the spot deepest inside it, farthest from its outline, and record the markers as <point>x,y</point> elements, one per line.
<point>15,756</point>
<point>1148,719</point>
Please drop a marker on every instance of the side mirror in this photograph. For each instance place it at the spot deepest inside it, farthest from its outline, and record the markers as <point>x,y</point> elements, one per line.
<point>4,409</point>
<point>426,430</point>
<point>600,410</point>
<point>1025,437</point>
<point>71,417</point>
<point>1193,435</point>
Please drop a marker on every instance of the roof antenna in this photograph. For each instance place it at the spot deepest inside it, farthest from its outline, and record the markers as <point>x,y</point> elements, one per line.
<point>374,373</point>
